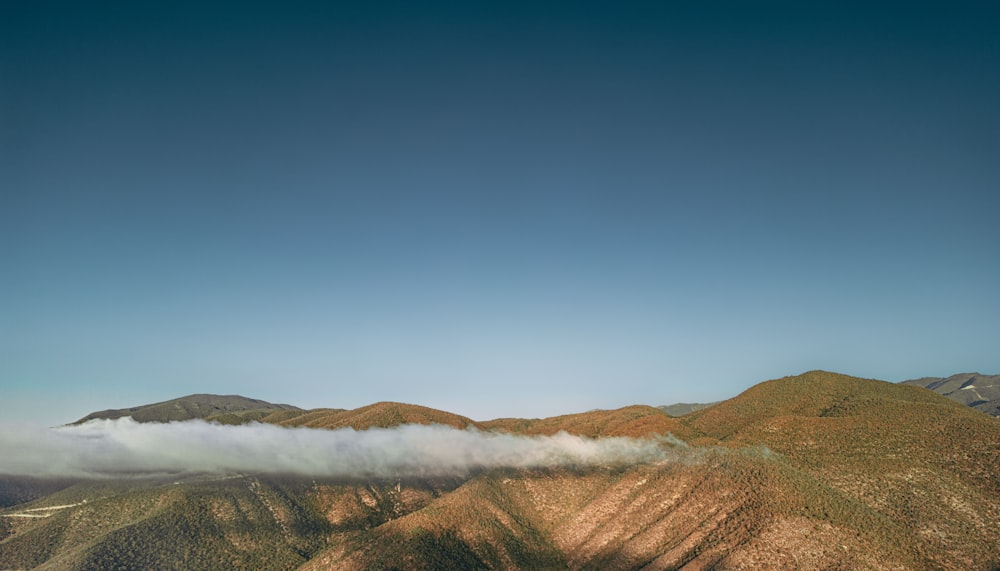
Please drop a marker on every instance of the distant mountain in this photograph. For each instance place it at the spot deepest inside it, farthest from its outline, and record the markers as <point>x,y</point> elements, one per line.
<point>981,392</point>
<point>682,408</point>
<point>815,471</point>
<point>227,409</point>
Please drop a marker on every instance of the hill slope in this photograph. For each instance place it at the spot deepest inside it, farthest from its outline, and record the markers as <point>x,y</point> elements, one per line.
<point>231,409</point>
<point>814,471</point>
<point>378,415</point>
<point>682,408</point>
<point>635,421</point>
<point>981,392</point>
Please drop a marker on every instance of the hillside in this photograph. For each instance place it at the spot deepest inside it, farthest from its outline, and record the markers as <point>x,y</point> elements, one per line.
<point>815,471</point>
<point>981,392</point>
<point>912,455</point>
<point>682,408</point>
<point>228,409</point>
<point>378,415</point>
<point>635,421</point>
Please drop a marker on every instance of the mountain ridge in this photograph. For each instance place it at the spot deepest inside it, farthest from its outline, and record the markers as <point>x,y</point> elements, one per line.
<point>981,392</point>
<point>227,409</point>
<point>236,409</point>
<point>817,470</point>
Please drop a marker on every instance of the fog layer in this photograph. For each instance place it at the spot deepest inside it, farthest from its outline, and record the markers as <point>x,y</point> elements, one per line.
<point>107,448</point>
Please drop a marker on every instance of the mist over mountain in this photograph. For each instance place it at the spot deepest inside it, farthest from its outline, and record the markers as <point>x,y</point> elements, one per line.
<point>126,448</point>
<point>818,470</point>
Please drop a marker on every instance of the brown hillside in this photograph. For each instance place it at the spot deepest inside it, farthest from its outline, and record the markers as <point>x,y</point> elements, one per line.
<point>285,415</point>
<point>635,421</point>
<point>912,455</point>
<point>378,415</point>
<point>814,394</point>
<point>303,418</point>
<point>817,471</point>
<point>719,510</point>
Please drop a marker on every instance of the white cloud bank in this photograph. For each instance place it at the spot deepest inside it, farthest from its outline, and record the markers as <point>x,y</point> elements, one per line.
<point>104,448</point>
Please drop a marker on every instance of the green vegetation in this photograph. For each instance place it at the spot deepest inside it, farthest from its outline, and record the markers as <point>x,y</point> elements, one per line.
<point>378,415</point>
<point>814,471</point>
<point>634,421</point>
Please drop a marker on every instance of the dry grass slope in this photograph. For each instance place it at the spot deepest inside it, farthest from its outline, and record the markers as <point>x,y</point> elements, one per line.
<point>378,415</point>
<point>635,421</point>
<point>817,471</point>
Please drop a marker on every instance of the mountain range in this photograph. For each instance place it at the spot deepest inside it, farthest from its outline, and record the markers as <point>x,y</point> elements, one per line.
<point>981,392</point>
<point>815,471</point>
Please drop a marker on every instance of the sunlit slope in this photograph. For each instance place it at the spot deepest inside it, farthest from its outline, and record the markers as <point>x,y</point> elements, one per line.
<point>635,421</point>
<point>229,409</point>
<point>919,458</point>
<point>817,471</point>
<point>378,415</point>
<point>816,394</point>
<point>716,509</point>
<point>832,422</point>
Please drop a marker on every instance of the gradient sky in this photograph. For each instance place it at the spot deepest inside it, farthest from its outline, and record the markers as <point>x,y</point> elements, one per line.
<point>493,208</point>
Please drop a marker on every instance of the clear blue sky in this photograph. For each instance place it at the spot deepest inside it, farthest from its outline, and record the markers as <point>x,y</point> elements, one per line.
<point>494,208</point>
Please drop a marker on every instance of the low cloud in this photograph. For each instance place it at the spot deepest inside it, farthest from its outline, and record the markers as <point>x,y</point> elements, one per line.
<point>110,448</point>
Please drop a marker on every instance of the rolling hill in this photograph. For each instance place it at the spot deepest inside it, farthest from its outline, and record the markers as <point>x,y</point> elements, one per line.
<point>815,471</point>
<point>635,421</point>
<point>378,415</point>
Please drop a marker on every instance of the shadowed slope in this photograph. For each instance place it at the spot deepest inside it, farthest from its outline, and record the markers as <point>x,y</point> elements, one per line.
<point>981,392</point>
<point>231,409</point>
<point>682,408</point>
<point>233,523</point>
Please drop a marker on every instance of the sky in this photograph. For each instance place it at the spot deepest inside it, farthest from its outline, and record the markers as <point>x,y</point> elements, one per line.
<point>492,208</point>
